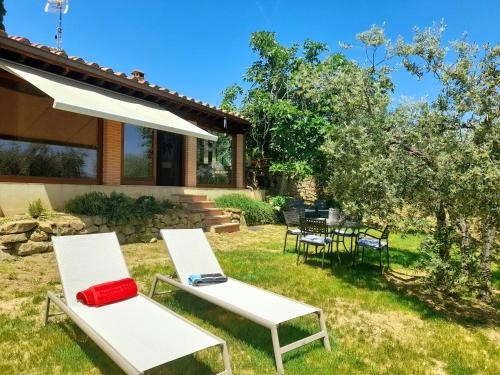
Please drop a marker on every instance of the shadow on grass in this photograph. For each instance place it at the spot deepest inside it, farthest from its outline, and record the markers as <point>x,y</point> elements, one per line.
<point>188,365</point>
<point>409,290</point>
<point>252,334</point>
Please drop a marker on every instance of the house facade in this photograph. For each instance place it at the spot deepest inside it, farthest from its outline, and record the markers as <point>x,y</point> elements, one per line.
<point>70,126</point>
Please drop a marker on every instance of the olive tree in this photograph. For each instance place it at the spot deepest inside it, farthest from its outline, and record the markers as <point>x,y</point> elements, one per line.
<point>455,143</point>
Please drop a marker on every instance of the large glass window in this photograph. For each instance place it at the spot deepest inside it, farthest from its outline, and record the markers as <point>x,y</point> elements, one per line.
<point>34,159</point>
<point>137,153</point>
<point>38,142</point>
<point>215,161</point>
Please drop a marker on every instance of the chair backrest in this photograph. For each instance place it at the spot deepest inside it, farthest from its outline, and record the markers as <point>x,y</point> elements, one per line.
<point>385,233</point>
<point>320,204</point>
<point>313,226</point>
<point>86,260</point>
<point>301,211</point>
<point>190,252</point>
<point>296,202</point>
<point>334,217</point>
<point>291,217</point>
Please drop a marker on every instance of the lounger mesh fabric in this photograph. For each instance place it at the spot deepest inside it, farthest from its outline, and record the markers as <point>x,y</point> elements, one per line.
<point>191,253</point>
<point>141,331</point>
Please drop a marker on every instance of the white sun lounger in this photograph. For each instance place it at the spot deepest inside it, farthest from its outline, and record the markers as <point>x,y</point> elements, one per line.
<point>191,254</point>
<point>138,333</point>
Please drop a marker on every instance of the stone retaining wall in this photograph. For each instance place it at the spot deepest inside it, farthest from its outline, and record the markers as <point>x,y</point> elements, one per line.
<point>237,216</point>
<point>25,236</point>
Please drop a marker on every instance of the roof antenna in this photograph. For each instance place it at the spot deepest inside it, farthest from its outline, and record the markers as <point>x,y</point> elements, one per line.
<point>61,7</point>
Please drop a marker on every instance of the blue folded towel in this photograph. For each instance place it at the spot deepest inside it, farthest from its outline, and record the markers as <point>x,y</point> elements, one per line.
<point>207,279</point>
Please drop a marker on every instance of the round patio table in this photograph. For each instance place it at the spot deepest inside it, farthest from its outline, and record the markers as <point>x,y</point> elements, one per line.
<point>346,230</point>
<point>340,232</point>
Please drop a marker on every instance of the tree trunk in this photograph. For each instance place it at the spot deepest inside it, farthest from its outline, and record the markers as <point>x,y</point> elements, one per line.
<point>283,184</point>
<point>442,233</point>
<point>488,246</point>
<point>465,247</point>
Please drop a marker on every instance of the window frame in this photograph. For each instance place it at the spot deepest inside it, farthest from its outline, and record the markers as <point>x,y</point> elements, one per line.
<point>133,181</point>
<point>60,180</point>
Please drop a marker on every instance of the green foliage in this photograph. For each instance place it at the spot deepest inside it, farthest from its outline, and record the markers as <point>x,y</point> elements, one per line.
<point>3,12</point>
<point>229,97</point>
<point>448,275</point>
<point>36,208</point>
<point>117,207</point>
<point>278,202</point>
<point>315,113</point>
<point>256,212</point>
<point>288,126</point>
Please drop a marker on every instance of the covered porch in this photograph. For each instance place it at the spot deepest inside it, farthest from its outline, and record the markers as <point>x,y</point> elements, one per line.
<point>62,135</point>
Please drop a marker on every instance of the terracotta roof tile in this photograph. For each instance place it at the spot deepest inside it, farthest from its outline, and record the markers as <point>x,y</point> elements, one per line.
<point>93,64</point>
<point>62,53</point>
<point>76,58</point>
<point>21,39</point>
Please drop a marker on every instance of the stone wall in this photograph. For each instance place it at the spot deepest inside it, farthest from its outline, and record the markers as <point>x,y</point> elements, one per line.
<point>237,216</point>
<point>306,189</point>
<point>25,236</point>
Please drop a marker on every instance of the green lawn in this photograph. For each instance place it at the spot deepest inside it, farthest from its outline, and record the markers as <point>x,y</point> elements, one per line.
<point>377,323</point>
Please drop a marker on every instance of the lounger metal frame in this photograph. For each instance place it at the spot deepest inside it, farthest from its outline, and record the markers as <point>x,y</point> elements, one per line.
<point>278,350</point>
<point>126,366</point>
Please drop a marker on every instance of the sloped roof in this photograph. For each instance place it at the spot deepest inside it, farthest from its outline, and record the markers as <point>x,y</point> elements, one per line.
<point>93,65</point>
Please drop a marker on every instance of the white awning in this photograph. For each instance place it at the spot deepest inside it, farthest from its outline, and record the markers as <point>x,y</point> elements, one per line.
<point>79,97</point>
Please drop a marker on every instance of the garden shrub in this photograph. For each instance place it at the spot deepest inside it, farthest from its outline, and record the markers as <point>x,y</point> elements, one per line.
<point>256,212</point>
<point>278,202</point>
<point>117,207</point>
<point>36,208</point>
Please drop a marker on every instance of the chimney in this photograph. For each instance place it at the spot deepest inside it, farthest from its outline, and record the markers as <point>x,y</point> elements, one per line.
<point>138,74</point>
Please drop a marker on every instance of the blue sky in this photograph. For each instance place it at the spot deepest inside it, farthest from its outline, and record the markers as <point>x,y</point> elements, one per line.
<point>199,47</point>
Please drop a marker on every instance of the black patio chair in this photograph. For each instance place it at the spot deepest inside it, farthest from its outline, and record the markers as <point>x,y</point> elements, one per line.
<point>315,233</point>
<point>321,208</point>
<point>292,221</point>
<point>378,241</point>
<point>296,203</point>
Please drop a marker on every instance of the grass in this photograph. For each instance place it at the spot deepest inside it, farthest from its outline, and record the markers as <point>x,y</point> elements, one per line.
<point>377,323</point>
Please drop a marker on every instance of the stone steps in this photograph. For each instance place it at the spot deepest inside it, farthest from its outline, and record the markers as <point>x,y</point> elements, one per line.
<point>188,198</point>
<point>217,220</point>
<point>214,219</point>
<point>208,212</point>
<point>199,204</point>
<point>225,228</point>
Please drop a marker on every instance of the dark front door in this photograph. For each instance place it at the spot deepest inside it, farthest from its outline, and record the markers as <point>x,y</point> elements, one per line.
<point>170,152</point>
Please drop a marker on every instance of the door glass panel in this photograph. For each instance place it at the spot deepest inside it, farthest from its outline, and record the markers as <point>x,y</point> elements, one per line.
<point>137,152</point>
<point>215,160</point>
<point>169,163</point>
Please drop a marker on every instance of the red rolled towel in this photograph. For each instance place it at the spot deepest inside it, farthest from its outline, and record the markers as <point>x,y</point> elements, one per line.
<point>106,293</point>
